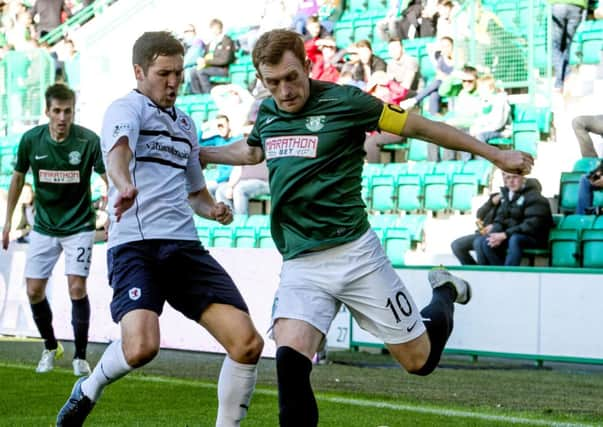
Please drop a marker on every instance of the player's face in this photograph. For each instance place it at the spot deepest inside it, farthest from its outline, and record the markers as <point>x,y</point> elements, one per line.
<point>60,118</point>
<point>162,79</point>
<point>287,81</point>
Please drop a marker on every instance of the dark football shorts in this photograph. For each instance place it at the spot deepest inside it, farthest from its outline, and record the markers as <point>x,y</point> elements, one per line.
<point>147,273</point>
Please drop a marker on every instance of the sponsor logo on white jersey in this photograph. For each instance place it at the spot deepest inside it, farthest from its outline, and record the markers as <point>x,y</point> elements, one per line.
<point>120,129</point>
<point>59,177</point>
<point>291,146</point>
<point>184,123</point>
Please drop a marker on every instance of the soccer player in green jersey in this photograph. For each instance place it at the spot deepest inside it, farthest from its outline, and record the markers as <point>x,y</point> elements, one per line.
<point>62,156</point>
<point>311,134</point>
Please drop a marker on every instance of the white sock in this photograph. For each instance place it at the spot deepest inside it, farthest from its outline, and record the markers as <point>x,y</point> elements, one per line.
<point>111,367</point>
<point>235,387</point>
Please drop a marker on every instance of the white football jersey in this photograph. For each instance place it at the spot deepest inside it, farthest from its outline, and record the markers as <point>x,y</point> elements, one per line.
<point>164,168</point>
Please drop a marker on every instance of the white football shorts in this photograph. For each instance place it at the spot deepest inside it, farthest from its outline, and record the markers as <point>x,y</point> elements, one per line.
<point>357,274</point>
<point>44,252</point>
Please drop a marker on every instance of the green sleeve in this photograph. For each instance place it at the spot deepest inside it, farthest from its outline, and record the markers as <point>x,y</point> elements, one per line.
<point>23,155</point>
<point>99,165</point>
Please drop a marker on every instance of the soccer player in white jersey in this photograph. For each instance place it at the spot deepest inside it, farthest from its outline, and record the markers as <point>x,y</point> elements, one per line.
<point>61,156</point>
<point>151,152</point>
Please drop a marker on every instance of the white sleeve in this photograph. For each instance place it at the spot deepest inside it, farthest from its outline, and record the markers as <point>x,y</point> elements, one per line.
<point>122,118</point>
<point>195,180</point>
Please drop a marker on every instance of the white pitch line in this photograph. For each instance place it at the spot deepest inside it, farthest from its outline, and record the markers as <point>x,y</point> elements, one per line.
<point>360,402</point>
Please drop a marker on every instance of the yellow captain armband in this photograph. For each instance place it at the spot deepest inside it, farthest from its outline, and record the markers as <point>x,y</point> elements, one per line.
<point>392,119</point>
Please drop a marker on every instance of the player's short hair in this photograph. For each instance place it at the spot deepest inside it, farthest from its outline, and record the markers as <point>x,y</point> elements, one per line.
<point>59,92</point>
<point>272,45</point>
<point>153,44</point>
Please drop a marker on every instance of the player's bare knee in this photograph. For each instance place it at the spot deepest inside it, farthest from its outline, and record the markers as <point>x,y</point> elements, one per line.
<point>247,351</point>
<point>35,294</point>
<point>140,353</point>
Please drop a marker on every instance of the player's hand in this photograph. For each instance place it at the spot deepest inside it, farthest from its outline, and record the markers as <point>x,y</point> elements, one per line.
<point>6,236</point>
<point>124,201</point>
<point>222,213</point>
<point>515,162</point>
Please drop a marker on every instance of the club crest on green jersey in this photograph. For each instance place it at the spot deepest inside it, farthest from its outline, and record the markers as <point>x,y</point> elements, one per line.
<point>315,123</point>
<point>75,158</point>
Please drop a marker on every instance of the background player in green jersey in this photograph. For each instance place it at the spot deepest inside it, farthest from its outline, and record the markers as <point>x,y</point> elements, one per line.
<point>61,156</point>
<point>311,134</point>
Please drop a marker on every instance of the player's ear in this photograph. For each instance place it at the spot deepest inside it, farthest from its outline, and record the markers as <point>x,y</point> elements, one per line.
<point>308,66</point>
<point>138,72</point>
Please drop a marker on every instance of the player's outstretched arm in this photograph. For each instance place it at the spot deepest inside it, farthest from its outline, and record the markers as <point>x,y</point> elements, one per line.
<point>118,161</point>
<point>204,205</point>
<point>237,153</point>
<point>512,161</point>
<point>14,191</point>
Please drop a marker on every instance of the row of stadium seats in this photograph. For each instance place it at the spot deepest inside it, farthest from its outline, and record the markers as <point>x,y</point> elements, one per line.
<point>587,43</point>
<point>398,233</point>
<point>569,183</point>
<point>577,241</point>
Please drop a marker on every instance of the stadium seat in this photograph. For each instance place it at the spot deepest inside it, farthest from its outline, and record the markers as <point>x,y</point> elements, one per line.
<point>396,242</point>
<point>481,168</point>
<point>526,135</point>
<point>568,191</point>
<point>565,247</point>
<point>585,164</point>
<point>592,45</point>
<point>592,248</point>
<point>577,222</point>
<point>463,189</point>
<point>436,193</point>
<point>222,237</point>
<point>409,193</point>
<point>245,237</point>
<point>417,150</point>
<point>381,193</point>
<point>258,221</point>
<point>415,224</point>
<point>264,238</point>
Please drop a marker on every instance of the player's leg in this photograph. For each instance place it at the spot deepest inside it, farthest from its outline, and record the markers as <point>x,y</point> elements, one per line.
<point>207,294</point>
<point>136,305</point>
<point>42,255</point>
<point>235,331</point>
<point>78,254</point>
<point>422,355</point>
<point>302,314</point>
<point>297,341</point>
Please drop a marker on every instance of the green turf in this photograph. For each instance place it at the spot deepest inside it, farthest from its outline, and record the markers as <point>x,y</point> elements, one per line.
<point>178,389</point>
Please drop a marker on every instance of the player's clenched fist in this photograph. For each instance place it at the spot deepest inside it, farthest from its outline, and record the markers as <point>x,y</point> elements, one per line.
<point>222,213</point>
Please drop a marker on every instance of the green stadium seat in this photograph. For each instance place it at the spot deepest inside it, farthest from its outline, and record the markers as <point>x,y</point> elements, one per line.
<point>592,248</point>
<point>481,168</point>
<point>265,238</point>
<point>395,169</point>
<point>565,247</point>
<point>363,29</point>
<point>415,223</point>
<point>568,191</point>
<point>409,192</point>
<point>586,164</point>
<point>396,242</point>
<point>592,45</point>
<point>381,193</point>
<point>436,193</point>
<point>222,237</point>
<point>258,221</point>
<point>463,189</point>
<point>417,150</point>
<point>245,237</point>
<point>421,168</point>
<point>526,136</point>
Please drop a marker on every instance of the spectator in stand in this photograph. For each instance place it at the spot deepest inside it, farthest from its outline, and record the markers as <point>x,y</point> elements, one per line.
<point>329,12</point>
<point>276,14</point>
<point>363,63</point>
<point>346,77</point>
<point>441,55</point>
<point>194,49</point>
<point>314,33</point>
<point>523,221</point>
<point>588,185</point>
<point>20,29</point>
<point>390,92</point>
<point>389,27</point>
<point>48,14</point>
<point>325,68</point>
<point>495,115</point>
<point>583,127</point>
<point>402,67</point>
<point>462,246</point>
<point>304,10</point>
<point>445,24</point>
<point>223,136</point>
<point>245,182</point>
<point>418,19</point>
<point>221,53</point>
<point>566,17</point>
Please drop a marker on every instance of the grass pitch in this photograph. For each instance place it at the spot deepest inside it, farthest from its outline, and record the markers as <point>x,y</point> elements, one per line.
<point>359,389</point>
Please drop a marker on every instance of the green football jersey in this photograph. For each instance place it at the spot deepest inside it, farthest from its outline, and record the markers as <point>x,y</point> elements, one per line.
<point>315,159</point>
<point>61,173</point>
